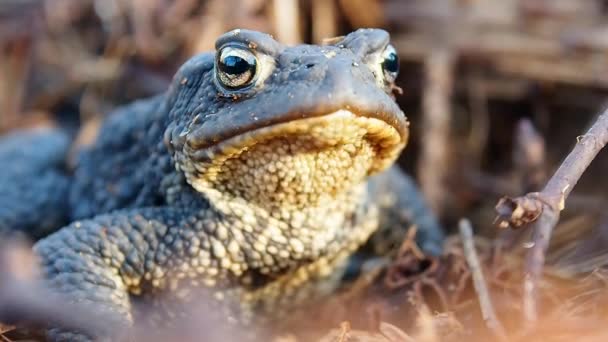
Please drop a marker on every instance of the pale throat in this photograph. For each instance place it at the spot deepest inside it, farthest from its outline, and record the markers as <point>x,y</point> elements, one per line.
<point>294,197</point>
<point>291,173</point>
<point>301,181</point>
<point>310,231</point>
<point>296,164</point>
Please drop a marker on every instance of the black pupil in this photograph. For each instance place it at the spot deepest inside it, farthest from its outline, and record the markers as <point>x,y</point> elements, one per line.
<point>391,63</point>
<point>235,65</point>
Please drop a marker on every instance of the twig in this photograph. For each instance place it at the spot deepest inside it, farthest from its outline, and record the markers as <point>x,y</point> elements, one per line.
<point>544,208</point>
<point>427,329</point>
<point>392,333</point>
<point>287,21</point>
<point>529,155</point>
<point>479,282</point>
<point>434,155</point>
<point>326,20</point>
<point>5,328</point>
<point>362,13</point>
<point>14,70</point>
<point>344,330</point>
<point>480,118</point>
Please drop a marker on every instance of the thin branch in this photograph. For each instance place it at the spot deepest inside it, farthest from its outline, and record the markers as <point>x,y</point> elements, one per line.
<point>479,282</point>
<point>344,330</point>
<point>5,328</point>
<point>326,20</point>
<point>529,156</point>
<point>434,160</point>
<point>543,209</point>
<point>287,21</point>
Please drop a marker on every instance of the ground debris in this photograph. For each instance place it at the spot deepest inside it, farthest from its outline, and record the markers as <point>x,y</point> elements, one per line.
<point>436,300</point>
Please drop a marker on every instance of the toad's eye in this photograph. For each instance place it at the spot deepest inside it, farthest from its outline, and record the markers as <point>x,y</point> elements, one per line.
<point>236,67</point>
<point>390,63</point>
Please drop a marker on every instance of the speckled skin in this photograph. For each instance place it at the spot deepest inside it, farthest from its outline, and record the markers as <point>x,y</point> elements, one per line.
<point>258,196</point>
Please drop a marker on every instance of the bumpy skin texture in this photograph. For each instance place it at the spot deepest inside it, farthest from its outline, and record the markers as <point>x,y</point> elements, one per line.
<point>124,167</point>
<point>257,195</point>
<point>33,184</point>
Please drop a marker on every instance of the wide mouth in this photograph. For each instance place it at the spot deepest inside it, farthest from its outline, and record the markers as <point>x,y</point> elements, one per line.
<point>337,129</point>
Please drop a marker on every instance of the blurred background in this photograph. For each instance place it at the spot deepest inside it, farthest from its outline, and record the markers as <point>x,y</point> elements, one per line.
<point>497,92</point>
<point>480,78</point>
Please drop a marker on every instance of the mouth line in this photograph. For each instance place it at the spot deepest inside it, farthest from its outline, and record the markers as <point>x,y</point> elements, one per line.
<point>383,134</point>
<point>401,127</point>
<point>205,138</point>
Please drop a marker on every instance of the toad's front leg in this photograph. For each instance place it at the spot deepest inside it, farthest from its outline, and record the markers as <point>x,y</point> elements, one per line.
<point>103,261</point>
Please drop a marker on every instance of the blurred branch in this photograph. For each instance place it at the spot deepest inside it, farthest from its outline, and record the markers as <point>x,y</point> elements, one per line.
<point>529,155</point>
<point>287,18</point>
<point>325,20</point>
<point>479,282</point>
<point>363,13</point>
<point>554,41</point>
<point>434,158</point>
<point>543,209</point>
<point>14,69</point>
<point>476,92</point>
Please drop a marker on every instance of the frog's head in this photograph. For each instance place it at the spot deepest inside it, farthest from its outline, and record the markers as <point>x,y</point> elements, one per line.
<point>294,125</point>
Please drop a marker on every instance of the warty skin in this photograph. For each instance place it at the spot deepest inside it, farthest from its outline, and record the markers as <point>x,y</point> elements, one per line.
<point>254,186</point>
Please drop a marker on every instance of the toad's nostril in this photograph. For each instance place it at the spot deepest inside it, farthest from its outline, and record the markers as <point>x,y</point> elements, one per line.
<point>308,66</point>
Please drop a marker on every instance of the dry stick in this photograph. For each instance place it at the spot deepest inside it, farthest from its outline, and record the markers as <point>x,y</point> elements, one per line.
<point>325,24</point>
<point>543,208</point>
<point>5,328</point>
<point>14,68</point>
<point>362,13</point>
<point>529,160</point>
<point>480,119</point>
<point>436,126</point>
<point>529,156</point>
<point>479,282</point>
<point>287,21</point>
